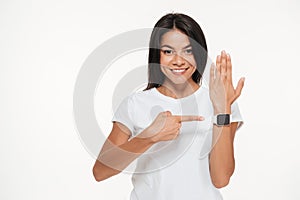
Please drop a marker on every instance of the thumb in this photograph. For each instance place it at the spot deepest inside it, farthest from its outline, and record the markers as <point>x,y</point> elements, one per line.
<point>239,87</point>
<point>166,113</point>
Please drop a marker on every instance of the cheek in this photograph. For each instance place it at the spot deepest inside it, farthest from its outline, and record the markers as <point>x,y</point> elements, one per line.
<point>194,69</point>
<point>163,69</point>
<point>164,60</point>
<point>193,64</point>
<point>191,61</point>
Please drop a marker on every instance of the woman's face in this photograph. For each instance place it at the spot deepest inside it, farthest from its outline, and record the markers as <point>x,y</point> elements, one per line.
<point>176,57</point>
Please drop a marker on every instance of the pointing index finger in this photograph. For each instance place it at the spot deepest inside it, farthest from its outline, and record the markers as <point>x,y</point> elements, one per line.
<point>188,118</point>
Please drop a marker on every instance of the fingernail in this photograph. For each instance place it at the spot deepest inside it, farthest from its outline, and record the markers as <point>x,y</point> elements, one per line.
<point>201,118</point>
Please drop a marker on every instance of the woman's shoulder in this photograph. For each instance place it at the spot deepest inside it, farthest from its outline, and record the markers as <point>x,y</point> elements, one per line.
<point>140,94</point>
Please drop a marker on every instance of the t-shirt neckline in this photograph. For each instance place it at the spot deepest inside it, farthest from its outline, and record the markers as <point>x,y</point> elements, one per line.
<point>158,93</point>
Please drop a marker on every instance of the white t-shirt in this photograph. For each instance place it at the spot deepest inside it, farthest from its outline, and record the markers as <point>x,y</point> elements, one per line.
<point>177,169</point>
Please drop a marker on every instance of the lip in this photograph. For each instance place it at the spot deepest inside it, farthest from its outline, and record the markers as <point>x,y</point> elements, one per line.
<point>179,71</point>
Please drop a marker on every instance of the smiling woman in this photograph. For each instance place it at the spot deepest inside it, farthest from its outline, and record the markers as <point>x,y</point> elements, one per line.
<point>177,61</point>
<point>176,36</point>
<point>167,126</point>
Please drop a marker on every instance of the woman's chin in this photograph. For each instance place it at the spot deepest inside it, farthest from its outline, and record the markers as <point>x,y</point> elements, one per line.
<point>178,81</point>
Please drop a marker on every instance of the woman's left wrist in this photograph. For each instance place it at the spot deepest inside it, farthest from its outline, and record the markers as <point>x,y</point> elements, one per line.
<point>225,110</point>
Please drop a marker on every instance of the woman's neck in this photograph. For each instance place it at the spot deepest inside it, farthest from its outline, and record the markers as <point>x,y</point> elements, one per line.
<point>178,90</point>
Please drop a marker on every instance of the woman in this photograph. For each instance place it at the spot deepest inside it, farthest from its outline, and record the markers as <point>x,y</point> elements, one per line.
<point>178,132</point>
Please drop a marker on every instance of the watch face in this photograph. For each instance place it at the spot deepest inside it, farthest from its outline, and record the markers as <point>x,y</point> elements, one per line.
<point>223,119</point>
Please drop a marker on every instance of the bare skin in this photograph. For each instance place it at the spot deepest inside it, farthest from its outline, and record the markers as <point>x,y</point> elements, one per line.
<point>176,56</point>
<point>223,94</point>
<point>123,151</point>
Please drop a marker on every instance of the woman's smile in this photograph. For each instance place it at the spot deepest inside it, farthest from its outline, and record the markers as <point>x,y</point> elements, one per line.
<point>179,71</point>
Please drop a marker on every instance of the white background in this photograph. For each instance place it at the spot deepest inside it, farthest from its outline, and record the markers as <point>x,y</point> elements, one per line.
<point>44,43</point>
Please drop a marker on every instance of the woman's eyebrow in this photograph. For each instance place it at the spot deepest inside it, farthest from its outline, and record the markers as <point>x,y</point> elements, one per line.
<point>165,45</point>
<point>187,46</point>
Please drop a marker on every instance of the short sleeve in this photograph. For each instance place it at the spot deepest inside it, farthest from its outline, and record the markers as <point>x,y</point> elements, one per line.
<point>236,115</point>
<point>124,112</point>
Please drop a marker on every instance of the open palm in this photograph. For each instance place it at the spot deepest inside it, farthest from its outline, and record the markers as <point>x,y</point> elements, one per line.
<point>222,92</point>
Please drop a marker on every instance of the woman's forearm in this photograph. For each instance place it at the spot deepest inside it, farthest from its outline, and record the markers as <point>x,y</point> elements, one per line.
<point>222,156</point>
<point>113,159</point>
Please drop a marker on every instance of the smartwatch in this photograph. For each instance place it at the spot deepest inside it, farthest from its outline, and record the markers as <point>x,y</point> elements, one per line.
<point>222,119</point>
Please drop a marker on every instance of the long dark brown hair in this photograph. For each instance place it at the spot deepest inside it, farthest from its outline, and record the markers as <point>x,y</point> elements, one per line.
<point>188,26</point>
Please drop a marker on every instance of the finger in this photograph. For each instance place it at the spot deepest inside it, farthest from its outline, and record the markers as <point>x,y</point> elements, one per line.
<point>223,64</point>
<point>177,134</point>
<point>229,68</point>
<point>239,87</point>
<point>179,125</point>
<point>167,114</point>
<point>212,74</point>
<point>187,118</point>
<point>218,63</point>
<point>174,128</point>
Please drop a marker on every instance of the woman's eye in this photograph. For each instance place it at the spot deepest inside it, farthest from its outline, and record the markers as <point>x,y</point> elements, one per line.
<point>167,51</point>
<point>188,51</point>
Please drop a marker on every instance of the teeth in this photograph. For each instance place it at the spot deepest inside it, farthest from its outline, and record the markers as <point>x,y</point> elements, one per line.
<point>178,70</point>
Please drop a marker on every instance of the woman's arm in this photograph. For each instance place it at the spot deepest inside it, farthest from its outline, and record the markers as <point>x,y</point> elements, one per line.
<point>222,95</point>
<point>118,152</point>
<point>222,155</point>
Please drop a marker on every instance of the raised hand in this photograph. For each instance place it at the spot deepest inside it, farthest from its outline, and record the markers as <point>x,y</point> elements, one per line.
<point>167,126</point>
<point>221,90</point>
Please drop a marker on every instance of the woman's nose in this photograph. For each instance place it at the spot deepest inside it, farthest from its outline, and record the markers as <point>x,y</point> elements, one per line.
<point>178,60</point>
